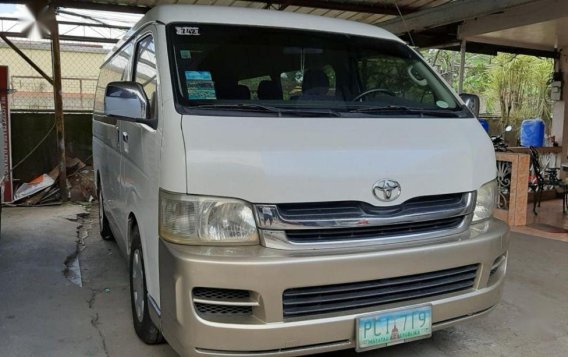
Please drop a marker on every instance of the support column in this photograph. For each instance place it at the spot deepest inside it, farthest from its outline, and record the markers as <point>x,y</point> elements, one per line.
<point>58,101</point>
<point>559,127</point>
<point>462,67</point>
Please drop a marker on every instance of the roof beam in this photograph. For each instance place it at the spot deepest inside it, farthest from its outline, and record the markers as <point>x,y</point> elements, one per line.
<point>101,6</point>
<point>435,38</point>
<point>449,13</point>
<point>86,24</point>
<point>355,6</point>
<point>88,5</point>
<point>491,49</point>
<point>536,12</point>
<point>13,34</point>
<point>86,39</point>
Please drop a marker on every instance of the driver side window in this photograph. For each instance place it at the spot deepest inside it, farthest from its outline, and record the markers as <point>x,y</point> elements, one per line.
<point>145,70</point>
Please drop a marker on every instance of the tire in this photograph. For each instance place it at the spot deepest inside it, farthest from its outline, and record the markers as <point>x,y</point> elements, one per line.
<point>104,227</point>
<point>143,325</point>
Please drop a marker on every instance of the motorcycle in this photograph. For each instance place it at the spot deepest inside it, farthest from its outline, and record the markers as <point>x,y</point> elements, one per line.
<point>498,141</point>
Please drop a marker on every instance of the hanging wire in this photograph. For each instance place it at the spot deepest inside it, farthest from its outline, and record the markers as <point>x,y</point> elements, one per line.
<point>404,23</point>
<point>33,149</point>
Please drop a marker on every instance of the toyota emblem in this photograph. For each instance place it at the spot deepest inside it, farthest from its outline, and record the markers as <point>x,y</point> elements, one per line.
<point>386,190</point>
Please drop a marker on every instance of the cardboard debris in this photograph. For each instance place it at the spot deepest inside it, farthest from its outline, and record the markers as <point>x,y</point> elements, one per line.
<point>34,186</point>
<point>44,190</point>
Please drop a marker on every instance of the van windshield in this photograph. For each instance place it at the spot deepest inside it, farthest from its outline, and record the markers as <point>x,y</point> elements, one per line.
<point>253,69</point>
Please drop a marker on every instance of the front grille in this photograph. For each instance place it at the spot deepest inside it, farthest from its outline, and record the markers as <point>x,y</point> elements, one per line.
<point>350,209</point>
<point>207,309</point>
<point>330,235</point>
<point>322,225</point>
<point>299,302</point>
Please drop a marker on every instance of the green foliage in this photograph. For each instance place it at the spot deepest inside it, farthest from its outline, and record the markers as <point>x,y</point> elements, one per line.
<point>520,87</point>
<point>447,63</point>
<point>515,87</point>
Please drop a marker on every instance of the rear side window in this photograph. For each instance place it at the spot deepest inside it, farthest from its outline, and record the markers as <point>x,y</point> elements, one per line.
<point>145,71</point>
<point>116,69</point>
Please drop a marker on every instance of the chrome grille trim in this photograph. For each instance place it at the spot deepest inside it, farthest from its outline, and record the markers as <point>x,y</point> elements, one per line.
<point>271,217</point>
<point>279,239</point>
<point>275,225</point>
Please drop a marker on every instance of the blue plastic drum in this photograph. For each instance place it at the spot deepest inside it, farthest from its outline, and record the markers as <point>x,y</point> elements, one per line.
<point>532,133</point>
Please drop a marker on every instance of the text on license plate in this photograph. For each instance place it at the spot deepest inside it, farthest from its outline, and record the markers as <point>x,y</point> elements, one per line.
<point>393,327</point>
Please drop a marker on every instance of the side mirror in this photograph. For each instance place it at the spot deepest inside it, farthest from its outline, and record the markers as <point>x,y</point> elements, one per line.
<point>126,101</point>
<point>472,102</point>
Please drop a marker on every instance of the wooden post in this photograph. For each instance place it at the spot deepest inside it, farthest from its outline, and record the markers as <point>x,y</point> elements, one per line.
<point>58,102</point>
<point>516,214</point>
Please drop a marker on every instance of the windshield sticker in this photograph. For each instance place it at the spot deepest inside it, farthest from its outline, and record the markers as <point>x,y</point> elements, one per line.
<point>200,85</point>
<point>185,54</point>
<point>198,75</point>
<point>187,31</point>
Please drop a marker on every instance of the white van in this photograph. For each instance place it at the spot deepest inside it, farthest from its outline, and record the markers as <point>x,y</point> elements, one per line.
<point>285,184</point>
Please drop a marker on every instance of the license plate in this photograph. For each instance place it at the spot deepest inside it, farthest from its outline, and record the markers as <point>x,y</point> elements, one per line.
<point>393,327</point>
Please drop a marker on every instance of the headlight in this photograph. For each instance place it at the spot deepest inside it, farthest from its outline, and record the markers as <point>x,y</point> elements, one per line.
<point>485,201</point>
<point>188,219</point>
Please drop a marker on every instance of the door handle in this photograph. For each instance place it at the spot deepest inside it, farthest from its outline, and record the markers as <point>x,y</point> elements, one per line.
<point>125,136</point>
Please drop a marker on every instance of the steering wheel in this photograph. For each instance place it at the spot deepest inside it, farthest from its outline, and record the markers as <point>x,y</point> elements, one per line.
<point>371,91</point>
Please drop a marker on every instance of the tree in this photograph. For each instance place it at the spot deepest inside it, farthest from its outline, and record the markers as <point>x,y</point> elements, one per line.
<point>520,86</point>
<point>516,87</point>
<point>447,63</point>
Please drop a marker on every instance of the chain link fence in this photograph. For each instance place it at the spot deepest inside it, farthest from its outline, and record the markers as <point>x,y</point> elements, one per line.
<point>80,63</point>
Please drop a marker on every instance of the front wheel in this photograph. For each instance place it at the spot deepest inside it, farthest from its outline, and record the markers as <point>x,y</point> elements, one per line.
<point>143,325</point>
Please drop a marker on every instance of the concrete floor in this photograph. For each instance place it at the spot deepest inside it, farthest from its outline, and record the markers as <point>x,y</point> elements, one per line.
<point>43,314</point>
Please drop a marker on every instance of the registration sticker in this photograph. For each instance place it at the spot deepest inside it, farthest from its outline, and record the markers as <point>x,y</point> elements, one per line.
<point>200,85</point>
<point>393,327</point>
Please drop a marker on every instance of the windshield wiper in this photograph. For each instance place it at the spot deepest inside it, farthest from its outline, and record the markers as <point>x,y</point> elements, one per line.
<point>406,110</point>
<point>240,106</point>
<point>269,109</point>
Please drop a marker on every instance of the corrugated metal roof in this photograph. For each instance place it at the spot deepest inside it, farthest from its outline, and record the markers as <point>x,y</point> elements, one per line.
<point>367,11</point>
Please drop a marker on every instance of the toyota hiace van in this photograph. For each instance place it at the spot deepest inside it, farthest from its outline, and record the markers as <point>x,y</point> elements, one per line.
<point>285,184</point>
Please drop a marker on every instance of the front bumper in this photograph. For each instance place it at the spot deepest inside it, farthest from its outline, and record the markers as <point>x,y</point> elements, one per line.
<point>268,272</point>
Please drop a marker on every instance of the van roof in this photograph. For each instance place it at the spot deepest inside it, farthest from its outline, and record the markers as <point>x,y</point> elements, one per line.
<point>258,17</point>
